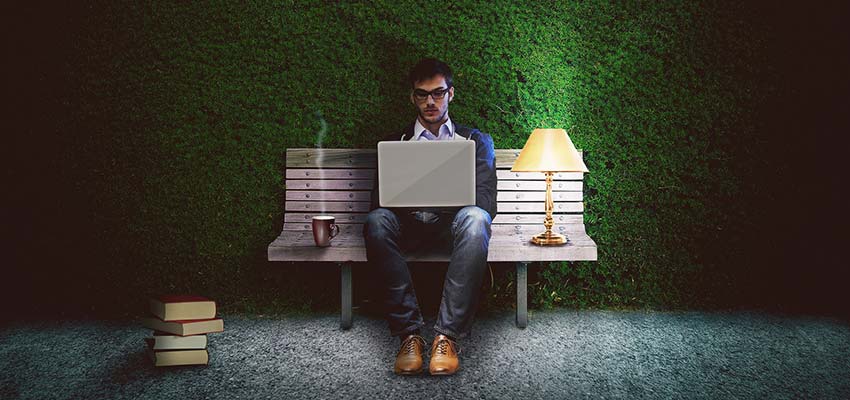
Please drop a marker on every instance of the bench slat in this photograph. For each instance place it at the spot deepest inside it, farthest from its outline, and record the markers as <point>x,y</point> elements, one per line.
<point>525,240</point>
<point>495,254</point>
<point>363,206</point>
<point>364,158</point>
<point>329,184</point>
<point>518,252</point>
<point>359,218</point>
<point>505,157</point>
<point>502,229</point>
<point>561,186</point>
<point>315,254</point>
<point>567,252</point>
<point>532,252</point>
<point>341,218</point>
<point>330,173</point>
<point>537,218</point>
<point>327,195</point>
<point>538,207</point>
<point>367,196</point>
<point>538,196</point>
<point>369,173</point>
<point>328,206</point>
<point>352,235</point>
<point>308,226</point>
<point>506,175</point>
<point>331,158</point>
<point>367,184</point>
<point>535,229</point>
<point>305,238</point>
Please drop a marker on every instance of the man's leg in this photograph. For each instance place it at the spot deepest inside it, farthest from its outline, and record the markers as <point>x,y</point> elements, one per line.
<point>462,287</point>
<point>382,232</point>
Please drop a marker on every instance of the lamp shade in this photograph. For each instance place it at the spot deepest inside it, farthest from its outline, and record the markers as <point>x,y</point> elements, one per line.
<point>549,150</point>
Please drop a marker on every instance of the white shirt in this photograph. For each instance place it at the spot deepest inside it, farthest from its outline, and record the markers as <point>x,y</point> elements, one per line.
<point>446,129</point>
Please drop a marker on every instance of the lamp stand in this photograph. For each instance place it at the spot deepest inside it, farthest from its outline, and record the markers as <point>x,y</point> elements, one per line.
<point>549,238</point>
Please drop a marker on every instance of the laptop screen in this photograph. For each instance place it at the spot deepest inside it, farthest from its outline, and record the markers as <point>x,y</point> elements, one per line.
<point>433,173</point>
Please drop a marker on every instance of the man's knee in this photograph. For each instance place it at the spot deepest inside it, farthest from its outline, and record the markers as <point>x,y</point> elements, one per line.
<point>472,220</point>
<point>380,222</point>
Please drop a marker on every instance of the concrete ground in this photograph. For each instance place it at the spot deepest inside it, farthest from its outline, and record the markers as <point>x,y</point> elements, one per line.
<point>561,355</point>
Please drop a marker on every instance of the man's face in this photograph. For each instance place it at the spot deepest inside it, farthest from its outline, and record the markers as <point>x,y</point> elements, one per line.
<point>431,110</point>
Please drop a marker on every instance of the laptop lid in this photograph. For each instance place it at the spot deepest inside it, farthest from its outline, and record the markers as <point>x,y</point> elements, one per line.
<point>427,173</point>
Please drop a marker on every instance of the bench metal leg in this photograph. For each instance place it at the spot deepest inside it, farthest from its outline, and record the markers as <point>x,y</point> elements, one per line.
<point>521,295</point>
<point>345,296</point>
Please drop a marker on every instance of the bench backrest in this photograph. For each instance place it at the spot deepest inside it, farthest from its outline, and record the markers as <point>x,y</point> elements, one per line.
<point>338,182</point>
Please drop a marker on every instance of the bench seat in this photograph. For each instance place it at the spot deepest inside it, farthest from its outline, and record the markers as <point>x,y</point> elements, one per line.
<point>338,182</point>
<point>505,246</point>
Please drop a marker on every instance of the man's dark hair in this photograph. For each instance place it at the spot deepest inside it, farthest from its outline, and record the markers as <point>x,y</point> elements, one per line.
<point>428,68</point>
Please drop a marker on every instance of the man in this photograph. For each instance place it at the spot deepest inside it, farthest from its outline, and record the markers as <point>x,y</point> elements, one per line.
<point>389,232</point>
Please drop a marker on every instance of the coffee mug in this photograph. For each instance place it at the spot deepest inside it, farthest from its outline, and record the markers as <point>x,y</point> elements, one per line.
<point>324,229</point>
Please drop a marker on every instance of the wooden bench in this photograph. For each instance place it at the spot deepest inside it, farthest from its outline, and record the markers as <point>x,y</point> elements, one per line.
<point>338,182</point>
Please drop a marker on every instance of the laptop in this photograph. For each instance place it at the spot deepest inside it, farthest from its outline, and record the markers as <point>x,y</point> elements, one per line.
<point>428,173</point>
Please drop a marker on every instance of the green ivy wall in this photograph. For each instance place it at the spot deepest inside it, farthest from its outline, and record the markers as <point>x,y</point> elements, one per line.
<point>175,118</point>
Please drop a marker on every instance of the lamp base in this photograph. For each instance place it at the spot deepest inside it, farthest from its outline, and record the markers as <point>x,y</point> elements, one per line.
<point>549,239</point>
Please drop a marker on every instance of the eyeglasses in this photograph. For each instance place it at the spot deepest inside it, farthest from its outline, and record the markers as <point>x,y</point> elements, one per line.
<point>437,94</point>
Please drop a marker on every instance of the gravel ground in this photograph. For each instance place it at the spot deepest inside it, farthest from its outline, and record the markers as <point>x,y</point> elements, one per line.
<point>561,355</point>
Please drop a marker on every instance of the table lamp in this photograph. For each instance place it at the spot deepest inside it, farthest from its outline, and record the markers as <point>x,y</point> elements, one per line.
<point>549,151</point>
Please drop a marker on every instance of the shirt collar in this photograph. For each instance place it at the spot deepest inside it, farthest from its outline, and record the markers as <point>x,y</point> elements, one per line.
<point>418,128</point>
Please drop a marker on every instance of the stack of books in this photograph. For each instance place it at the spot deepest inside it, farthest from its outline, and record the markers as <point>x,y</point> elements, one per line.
<point>180,326</point>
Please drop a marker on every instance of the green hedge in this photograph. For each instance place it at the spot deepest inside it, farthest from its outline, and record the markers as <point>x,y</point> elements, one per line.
<point>182,113</point>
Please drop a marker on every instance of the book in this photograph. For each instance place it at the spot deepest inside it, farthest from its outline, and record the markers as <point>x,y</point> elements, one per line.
<point>182,307</point>
<point>186,327</point>
<point>170,358</point>
<point>164,341</point>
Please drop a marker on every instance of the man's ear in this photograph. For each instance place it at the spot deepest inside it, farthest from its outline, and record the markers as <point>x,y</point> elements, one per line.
<point>451,93</point>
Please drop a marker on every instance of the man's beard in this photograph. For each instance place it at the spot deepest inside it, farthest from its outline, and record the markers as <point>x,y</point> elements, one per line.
<point>438,118</point>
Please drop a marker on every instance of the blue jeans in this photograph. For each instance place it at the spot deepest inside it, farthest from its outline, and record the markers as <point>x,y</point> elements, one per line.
<point>389,234</point>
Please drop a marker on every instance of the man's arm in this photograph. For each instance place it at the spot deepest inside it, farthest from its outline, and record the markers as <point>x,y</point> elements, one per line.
<point>485,174</point>
<point>375,203</point>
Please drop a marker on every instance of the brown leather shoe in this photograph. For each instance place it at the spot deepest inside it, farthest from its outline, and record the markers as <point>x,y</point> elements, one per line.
<point>408,361</point>
<point>444,359</point>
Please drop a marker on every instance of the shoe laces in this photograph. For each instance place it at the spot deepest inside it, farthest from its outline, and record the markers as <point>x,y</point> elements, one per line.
<point>409,344</point>
<point>443,347</point>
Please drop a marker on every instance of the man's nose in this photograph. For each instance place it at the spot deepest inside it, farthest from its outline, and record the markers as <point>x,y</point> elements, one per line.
<point>430,100</point>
